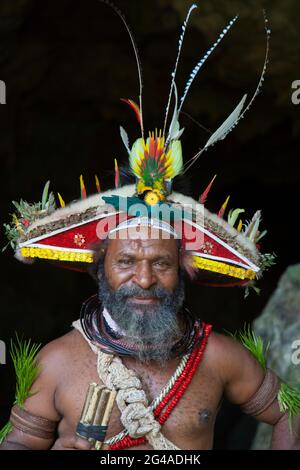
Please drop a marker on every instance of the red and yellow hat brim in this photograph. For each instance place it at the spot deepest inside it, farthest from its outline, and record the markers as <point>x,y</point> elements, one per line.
<point>72,235</point>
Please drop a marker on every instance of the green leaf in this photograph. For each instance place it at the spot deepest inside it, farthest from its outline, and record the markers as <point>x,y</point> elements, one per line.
<point>289,401</point>
<point>233,215</point>
<point>45,194</point>
<point>254,343</point>
<point>23,354</point>
<point>7,428</point>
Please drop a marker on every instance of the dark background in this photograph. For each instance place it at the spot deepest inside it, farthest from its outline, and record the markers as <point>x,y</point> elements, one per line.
<point>66,63</point>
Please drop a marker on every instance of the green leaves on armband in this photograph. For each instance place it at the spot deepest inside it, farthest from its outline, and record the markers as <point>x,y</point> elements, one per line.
<point>288,397</point>
<point>254,343</point>
<point>23,354</point>
<point>5,431</point>
<point>289,402</point>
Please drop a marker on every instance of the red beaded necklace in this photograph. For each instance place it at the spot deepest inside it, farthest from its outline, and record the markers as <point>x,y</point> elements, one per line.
<point>166,406</point>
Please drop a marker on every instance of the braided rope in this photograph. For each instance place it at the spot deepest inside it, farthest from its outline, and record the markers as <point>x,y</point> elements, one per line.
<point>158,399</point>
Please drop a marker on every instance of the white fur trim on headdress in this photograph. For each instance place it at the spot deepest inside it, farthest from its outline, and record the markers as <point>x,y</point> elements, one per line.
<point>146,222</point>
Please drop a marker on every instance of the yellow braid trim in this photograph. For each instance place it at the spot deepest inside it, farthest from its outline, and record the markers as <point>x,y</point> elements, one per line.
<point>48,253</point>
<point>222,268</point>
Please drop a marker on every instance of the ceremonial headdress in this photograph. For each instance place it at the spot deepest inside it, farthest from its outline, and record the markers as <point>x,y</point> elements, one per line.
<point>223,252</point>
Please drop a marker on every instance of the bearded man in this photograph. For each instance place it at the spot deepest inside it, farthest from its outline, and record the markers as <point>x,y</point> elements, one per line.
<point>137,337</point>
<point>140,315</point>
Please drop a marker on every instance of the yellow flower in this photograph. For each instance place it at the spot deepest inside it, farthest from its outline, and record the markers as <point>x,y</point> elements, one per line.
<point>152,198</point>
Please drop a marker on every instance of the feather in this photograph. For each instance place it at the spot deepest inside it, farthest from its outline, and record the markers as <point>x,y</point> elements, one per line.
<point>45,195</point>
<point>260,235</point>
<point>136,156</point>
<point>149,162</point>
<point>227,125</point>
<point>176,165</point>
<point>240,225</point>
<point>173,75</point>
<point>117,175</point>
<point>204,195</point>
<point>82,188</point>
<point>221,132</point>
<point>249,225</point>
<point>223,208</point>
<point>251,228</point>
<point>174,126</point>
<point>98,187</point>
<point>263,72</point>
<point>252,234</point>
<point>239,115</point>
<point>137,58</point>
<point>125,139</point>
<point>233,216</point>
<point>174,131</point>
<point>202,61</point>
<point>135,108</point>
<point>61,201</point>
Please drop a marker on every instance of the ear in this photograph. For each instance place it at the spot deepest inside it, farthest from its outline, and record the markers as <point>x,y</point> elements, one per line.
<point>186,262</point>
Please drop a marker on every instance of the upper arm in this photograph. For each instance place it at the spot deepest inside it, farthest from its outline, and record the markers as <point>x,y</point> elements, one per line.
<point>240,371</point>
<point>243,376</point>
<point>41,401</point>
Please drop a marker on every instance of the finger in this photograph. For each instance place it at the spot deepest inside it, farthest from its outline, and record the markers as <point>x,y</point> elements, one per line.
<point>72,443</point>
<point>82,444</point>
<point>59,445</point>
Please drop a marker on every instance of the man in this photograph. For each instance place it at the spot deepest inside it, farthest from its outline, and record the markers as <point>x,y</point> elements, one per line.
<point>138,338</point>
<point>141,289</point>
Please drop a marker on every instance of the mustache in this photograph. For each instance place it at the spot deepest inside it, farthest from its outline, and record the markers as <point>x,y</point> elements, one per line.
<point>136,291</point>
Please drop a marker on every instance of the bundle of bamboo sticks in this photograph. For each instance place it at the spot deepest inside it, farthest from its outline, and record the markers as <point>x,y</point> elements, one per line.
<point>96,414</point>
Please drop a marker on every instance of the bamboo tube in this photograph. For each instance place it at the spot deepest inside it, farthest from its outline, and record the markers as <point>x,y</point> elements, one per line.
<point>93,404</point>
<point>107,415</point>
<point>101,407</point>
<point>100,410</point>
<point>87,401</point>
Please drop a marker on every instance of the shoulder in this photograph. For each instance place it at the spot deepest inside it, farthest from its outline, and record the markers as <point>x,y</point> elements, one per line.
<point>232,361</point>
<point>221,348</point>
<point>59,359</point>
<point>53,361</point>
<point>60,352</point>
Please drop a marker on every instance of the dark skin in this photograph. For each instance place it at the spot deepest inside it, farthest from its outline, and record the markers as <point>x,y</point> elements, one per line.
<point>67,366</point>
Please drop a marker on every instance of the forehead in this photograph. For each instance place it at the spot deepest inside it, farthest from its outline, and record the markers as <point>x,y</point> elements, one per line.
<point>143,246</point>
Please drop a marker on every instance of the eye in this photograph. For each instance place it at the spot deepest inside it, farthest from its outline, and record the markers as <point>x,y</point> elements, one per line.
<point>126,262</point>
<point>161,264</point>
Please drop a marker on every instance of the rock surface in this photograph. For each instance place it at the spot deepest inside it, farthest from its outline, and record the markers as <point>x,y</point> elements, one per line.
<point>280,325</point>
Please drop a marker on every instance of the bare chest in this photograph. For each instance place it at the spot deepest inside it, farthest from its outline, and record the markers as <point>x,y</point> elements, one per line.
<point>189,425</point>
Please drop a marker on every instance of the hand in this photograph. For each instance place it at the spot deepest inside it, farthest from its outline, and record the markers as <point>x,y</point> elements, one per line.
<point>72,443</point>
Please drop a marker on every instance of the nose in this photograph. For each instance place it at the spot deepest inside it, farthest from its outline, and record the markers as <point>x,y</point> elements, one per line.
<point>144,276</point>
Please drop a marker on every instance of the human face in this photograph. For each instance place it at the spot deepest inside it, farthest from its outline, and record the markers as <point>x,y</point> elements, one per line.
<point>140,286</point>
<point>144,262</point>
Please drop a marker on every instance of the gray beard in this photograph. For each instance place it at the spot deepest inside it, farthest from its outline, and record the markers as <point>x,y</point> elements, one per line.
<point>152,329</point>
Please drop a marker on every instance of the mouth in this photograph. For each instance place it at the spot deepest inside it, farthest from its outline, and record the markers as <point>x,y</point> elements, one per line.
<point>143,300</point>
